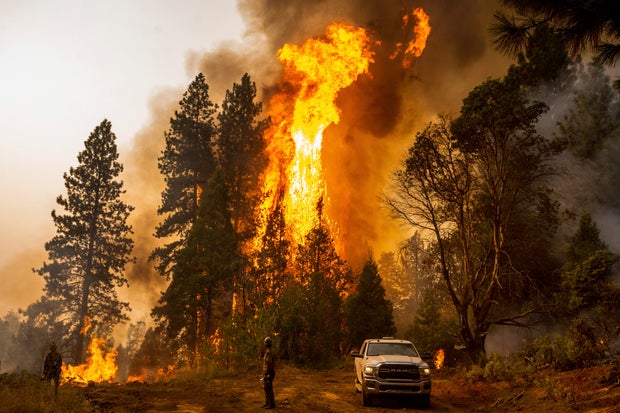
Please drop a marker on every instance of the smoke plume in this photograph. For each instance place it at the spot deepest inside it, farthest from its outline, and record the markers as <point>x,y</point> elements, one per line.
<point>380,113</point>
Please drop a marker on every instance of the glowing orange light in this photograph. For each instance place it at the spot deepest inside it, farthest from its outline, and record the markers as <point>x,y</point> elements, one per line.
<point>439,359</point>
<point>314,73</point>
<point>100,365</point>
<point>148,376</point>
<point>415,47</point>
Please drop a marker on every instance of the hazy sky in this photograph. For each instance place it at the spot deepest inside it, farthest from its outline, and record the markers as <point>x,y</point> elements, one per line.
<point>64,67</point>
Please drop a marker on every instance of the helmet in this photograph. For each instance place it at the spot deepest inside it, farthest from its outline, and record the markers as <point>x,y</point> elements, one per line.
<point>267,341</point>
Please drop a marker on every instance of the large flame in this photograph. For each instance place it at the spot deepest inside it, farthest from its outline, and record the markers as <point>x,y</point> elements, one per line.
<point>100,365</point>
<point>314,73</point>
<point>414,47</point>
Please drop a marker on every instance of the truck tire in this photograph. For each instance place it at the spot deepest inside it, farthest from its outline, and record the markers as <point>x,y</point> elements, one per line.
<point>425,401</point>
<point>366,399</point>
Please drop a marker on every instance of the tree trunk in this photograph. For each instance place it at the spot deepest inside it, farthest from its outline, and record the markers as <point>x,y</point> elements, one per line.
<point>83,316</point>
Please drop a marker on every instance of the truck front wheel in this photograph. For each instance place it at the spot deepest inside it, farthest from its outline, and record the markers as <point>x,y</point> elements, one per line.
<point>366,398</point>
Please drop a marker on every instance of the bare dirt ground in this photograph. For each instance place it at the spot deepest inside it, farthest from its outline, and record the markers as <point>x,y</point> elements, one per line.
<point>592,390</point>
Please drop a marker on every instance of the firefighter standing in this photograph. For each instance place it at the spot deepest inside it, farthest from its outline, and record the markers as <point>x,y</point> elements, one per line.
<point>269,373</point>
<point>52,367</point>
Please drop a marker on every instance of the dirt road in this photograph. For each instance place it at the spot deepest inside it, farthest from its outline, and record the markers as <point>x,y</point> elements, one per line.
<point>333,391</point>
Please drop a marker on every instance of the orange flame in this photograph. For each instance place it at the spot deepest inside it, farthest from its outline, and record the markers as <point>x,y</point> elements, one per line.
<point>149,376</point>
<point>415,47</point>
<point>314,73</point>
<point>100,365</point>
<point>439,358</point>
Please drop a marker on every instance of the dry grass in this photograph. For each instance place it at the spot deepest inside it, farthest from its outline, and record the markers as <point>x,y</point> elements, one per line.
<point>26,393</point>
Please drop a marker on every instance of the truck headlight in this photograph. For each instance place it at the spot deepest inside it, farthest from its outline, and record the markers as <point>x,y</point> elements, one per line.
<point>426,371</point>
<point>370,370</point>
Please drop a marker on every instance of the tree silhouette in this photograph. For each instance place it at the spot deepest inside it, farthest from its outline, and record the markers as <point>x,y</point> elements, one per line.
<point>194,301</point>
<point>368,313</point>
<point>240,154</point>
<point>92,245</point>
<point>581,24</point>
<point>187,163</point>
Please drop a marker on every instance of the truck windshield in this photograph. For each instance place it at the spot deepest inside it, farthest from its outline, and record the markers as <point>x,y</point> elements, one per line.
<point>401,349</point>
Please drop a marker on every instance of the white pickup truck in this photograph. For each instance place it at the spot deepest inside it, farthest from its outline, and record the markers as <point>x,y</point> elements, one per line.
<point>388,366</point>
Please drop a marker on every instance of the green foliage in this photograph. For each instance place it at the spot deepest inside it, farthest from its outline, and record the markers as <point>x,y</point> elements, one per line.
<point>92,245</point>
<point>240,152</point>
<point>584,243</point>
<point>310,309</point>
<point>478,184</point>
<point>582,25</point>
<point>205,265</point>
<point>187,163</point>
<point>434,328</point>
<point>543,64</point>
<point>368,313</point>
<point>241,156</point>
<point>594,117</point>
<point>589,294</point>
<point>497,368</point>
<point>578,347</point>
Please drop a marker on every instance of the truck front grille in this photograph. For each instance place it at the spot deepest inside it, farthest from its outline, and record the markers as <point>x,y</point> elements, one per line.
<point>399,372</point>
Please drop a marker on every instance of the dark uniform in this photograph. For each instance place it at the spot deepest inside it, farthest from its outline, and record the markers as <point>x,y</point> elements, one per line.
<point>52,367</point>
<point>269,373</point>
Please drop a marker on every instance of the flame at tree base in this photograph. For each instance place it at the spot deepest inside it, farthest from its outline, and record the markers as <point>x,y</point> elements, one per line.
<point>438,359</point>
<point>100,365</point>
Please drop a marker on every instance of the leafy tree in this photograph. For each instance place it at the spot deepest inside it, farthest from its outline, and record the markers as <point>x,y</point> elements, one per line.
<point>88,254</point>
<point>187,163</point>
<point>470,183</point>
<point>204,270</point>
<point>589,294</point>
<point>368,313</point>
<point>240,153</point>
<point>434,327</point>
<point>584,242</point>
<point>594,117</point>
<point>543,64</point>
<point>581,24</point>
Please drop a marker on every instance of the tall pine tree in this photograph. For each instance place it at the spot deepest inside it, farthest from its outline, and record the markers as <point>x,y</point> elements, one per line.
<point>368,312</point>
<point>193,303</point>
<point>187,163</point>
<point>92,245</point>
<point>324,278</point>
<point>240,153</point>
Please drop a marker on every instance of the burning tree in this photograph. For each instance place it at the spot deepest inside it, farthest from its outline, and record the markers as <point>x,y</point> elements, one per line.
<point>87,257</point>
<point>476,184</point>
<point>241,156</point>
<point>311,306</point>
